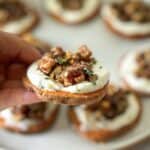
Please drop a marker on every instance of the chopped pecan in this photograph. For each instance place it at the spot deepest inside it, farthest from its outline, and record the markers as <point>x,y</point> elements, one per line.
<point>73,75</point>
<point>56,73</point>
<point>72,4</point>
<point>57,51</point>
<point>112,105</point>
<point>138,17</point>
<point>143,61</point>
<point>13,9</point>
<point>46,64</point>
<point>130,10</point>
<point>84,52</point>
<point>34,111</point>
<point>68,68</point>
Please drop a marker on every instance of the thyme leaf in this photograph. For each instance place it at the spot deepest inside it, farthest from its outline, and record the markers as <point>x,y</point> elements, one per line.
<point>88,72</point>
<point>61,61</point>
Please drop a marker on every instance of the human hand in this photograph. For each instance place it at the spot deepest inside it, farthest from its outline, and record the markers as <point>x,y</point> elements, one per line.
<point>15,56</point>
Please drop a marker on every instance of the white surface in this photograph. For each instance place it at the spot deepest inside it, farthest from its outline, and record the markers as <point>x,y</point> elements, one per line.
<point>107,48</point>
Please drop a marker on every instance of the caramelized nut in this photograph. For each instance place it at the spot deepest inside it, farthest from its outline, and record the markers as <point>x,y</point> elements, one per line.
<point>46,64</point>
<point>57,51</point>
<point>143,61</point>
<point>84,52</point>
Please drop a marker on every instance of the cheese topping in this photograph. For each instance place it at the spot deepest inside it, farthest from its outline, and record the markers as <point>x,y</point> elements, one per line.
<point>40,80</point>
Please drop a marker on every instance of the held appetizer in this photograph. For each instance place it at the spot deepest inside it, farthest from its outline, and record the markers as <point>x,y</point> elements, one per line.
<point>70,78</point>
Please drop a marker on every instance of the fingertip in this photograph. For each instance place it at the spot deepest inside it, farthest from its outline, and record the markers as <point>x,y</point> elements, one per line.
<point>29,55</point>
<point>16,96</point>
<point>30,97</point>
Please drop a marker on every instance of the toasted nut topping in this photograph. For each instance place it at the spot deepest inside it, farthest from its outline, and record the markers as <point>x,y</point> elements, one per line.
<point>131,10</point>
<point>46,64</point>
<point>113,104</point>
<point>12,10</point>
<point>143,61</point>
<point>34,111</point>
<point>84,52</point>
<point>68,68</point>
<point>57,51</point>
<point>72,4</point>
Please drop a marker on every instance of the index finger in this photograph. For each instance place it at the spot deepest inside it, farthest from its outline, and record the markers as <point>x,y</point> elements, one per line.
<point>13,48</point>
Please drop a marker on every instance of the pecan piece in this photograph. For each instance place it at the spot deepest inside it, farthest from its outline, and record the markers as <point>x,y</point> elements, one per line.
<point>46,64</point>
<point>57,51</point>
<point>84,52</point>
<point>73,75</point>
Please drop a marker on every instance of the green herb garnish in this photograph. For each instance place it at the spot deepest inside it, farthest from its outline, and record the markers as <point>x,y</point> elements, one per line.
<point>61,61</point>
<point>94,82</point>
<point>40,85</point>
<point>93,62</point>
<point>88,72</point>
<point>91,75</point>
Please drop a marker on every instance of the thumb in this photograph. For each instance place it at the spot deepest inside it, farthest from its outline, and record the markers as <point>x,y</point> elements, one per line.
<point>17,96</point>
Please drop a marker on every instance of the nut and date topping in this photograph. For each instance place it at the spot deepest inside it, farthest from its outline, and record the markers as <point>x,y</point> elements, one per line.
<point>143,61</point>
<point>132,10</point>
<point>68,68</point>
<point>112,105</point>
<point>72,4</point>
<point>33,111</point>
<point>12,10</point>
<point>46,64</point>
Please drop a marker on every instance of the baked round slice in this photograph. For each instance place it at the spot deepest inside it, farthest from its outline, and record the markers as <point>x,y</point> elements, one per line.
<point>32,118</point>
<point>72,11</point>
<point>41,45</point>
<point>16,17</point>
<point>135,71</point>
<point>123,19</point>
<point>116,114</point>
<point>68,78</point>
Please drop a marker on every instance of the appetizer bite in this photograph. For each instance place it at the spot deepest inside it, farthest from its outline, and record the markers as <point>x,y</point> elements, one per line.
<point>135,71</point>
<point>128,18</point>
<point>73,11</point>
<point>29,118</point>
<point>70,78</point>
<point>118,112</point>
<point>15,17</point>
<point>42,46</point>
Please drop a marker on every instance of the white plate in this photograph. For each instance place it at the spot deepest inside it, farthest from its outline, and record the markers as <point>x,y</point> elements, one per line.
<point>107,48</point>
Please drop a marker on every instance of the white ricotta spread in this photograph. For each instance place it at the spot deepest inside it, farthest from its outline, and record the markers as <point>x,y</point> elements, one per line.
<point>55,7</point>
<point>40,80</point>
<point>89,122</point>
<point>127,71</point>
<point>128,28</point>
<point>24,124</point>
<point>20,25</point>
